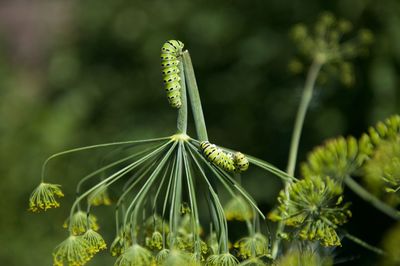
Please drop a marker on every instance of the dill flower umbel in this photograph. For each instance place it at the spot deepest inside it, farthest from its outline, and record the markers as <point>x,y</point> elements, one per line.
<point>384,166</point>
<point>238,209</point>
<point>135,255</point>
<point>387,130</point>
<point>252,246</point>
<point>225,259</point>
<point>155,242</point>
<point>382,171</point>
<point>338,158</point>
<point>324,44</point>
<point>74,251</point>
<point>99,197</point>
<point>303,258</point>
<point>255,261</point>
<point>80,222</point>
<point>44,197</point>
<point>313,207</point>
<point>162,256</point>
<point>175,257</point>
<point>95,241</point>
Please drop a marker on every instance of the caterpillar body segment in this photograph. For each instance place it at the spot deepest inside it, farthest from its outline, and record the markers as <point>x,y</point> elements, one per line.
<point>241,162</point>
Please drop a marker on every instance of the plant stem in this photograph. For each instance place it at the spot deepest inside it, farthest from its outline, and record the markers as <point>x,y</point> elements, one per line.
<point>365,244</point>
<point>182,112</point>
<point>367,196</point>
<point>294,144</point>
<point>301,114</point>
<point>194,96</point>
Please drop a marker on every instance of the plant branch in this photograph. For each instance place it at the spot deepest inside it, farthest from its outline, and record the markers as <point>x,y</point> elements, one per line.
<point>194,96</point>
<point>182,112</point>
<point>294,144</point>
<point>367,196</point>
<point>301,114</point>
<point>365,244</point>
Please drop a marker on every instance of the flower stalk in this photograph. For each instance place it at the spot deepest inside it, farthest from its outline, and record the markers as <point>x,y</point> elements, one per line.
<point>294,144</point>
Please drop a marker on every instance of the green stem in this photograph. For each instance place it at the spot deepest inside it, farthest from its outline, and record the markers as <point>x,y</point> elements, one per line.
<point>194,96</point>
<point>182,113</point>
<point>365,244</point>
<point>95,147</point>
<point>367,196</point>
<point>294,144</point>
<point>301,114</point>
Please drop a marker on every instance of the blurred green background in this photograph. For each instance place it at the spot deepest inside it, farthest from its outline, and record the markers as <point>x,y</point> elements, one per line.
<point>76,73</point>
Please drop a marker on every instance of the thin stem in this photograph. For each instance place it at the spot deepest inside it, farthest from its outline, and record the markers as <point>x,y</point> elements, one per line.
<point>367,196</point>
<point>94,173</point>
<point>134,208</point>
<point>221,222</point>
<point>193,205</point>
<point>176,196</point>
<point>301,114</point>
<point>114,177</point>
<point>183,112</point>
<point>294,144</point>
<point>365,244</point>
<point>95,147</point>
<point>194,96</point>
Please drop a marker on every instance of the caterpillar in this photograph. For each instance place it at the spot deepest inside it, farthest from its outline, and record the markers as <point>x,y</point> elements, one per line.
<point>230,163</point>
<point>170,71</point>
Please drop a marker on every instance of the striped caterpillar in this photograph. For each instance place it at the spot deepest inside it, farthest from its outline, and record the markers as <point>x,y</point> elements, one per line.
<point>236,162</point>
<point>170,71</point>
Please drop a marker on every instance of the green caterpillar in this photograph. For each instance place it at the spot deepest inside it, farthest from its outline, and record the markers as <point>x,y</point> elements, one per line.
<point>229,162</point>
<point>170,71</point>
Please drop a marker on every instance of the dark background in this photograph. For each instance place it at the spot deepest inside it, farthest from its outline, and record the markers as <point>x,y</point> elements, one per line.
<point>76,73</point>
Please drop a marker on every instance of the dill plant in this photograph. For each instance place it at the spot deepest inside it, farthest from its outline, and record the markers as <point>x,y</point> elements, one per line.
<point>157,215</point>
<point>161,182</point>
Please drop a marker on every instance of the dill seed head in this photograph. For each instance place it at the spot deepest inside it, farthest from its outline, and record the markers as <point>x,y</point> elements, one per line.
<point>122,240</point>
<point>302,258</point>
<point>384,131</point>
<point>74,251</point>
<point>135,255</point>
<point>155,242</point>
<point>225,259</point>
<point>99,197</point>
<point>313,206</point>
<point>175,257</point>
<point>95,241</point>
<point>117,246</point>
<point>44,197</point>
<point>385,165</point>
<point>337,158</point>
<point>256,261</point>
<point>80,222</point>
<point>238,209</point>
<point>252,246</point>
<point>162,256</point>
<point>327,44</point>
